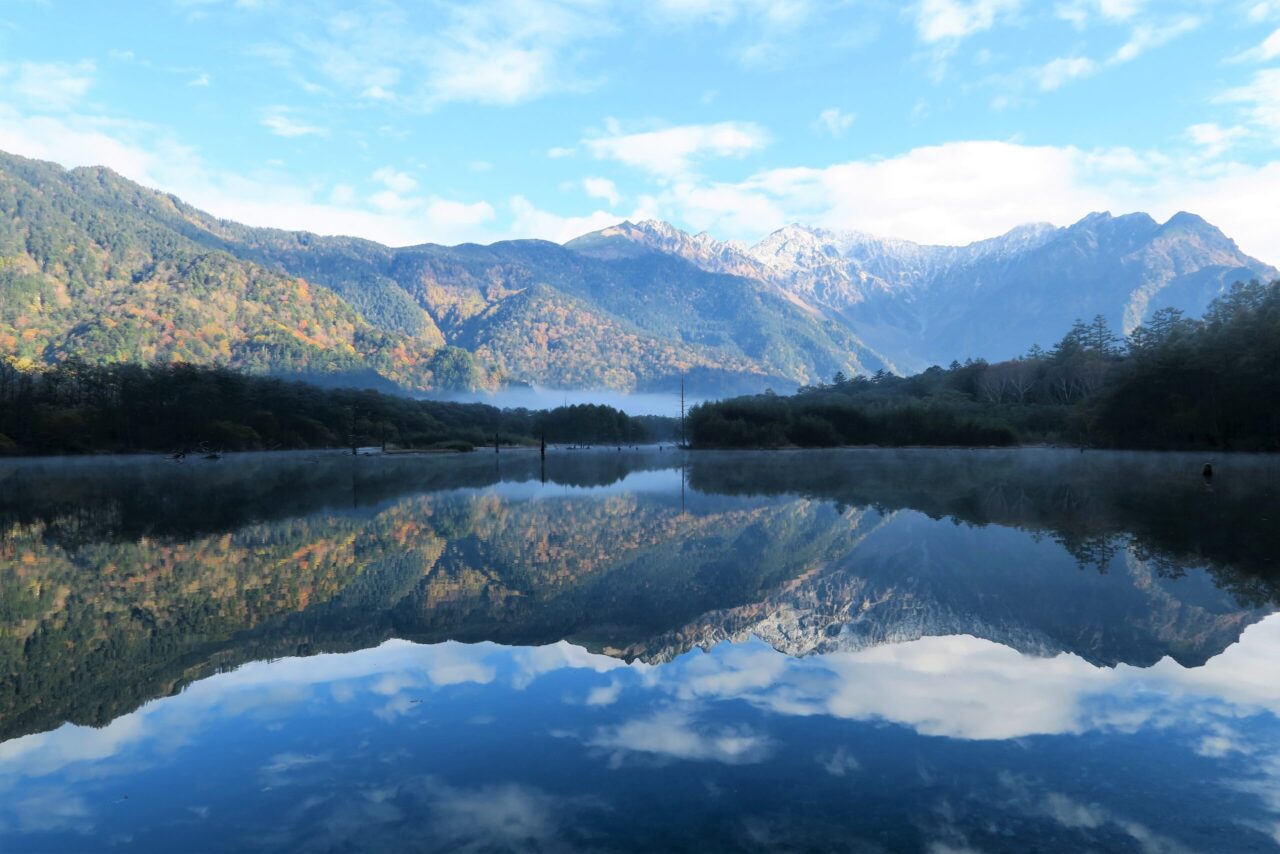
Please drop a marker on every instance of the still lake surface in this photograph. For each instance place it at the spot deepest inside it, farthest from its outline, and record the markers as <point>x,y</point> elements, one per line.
<point>937,651</point>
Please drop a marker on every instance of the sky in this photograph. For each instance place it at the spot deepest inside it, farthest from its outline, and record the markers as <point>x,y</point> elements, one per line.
<point>410,121</point>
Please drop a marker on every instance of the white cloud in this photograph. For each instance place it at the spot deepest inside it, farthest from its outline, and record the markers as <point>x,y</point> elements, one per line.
<point>343,194</point>
<point>1057,72</point>
<point>944,20</point>
<point>1239,199</point>
<point>559,151</point>
<point>726,210</point>
<point>764,28</point>
<point>87,141</point>
<point>1147,36</point>
<point>1264,10</point>
<point>1265,52</point>
<point>530,221</point>
<point>833,121</point>
<point>968,190</point>
<point>391,202</point>
<point>200,80</point>
<point>147,155</point>
<point>1120,10</point>
<point>489,52</point>
<point>778,13</point>
<point>1079,12</point>
<point>490,74</point>
<point>399,182</point>
<point>602,188</point>
<point>277,120</point>
<point>48,85</point>
<point>1213,139</point>
<point>1260,98</point>
<point>508,51</point>
<point>955,192</point>
<point>672,152</point>
<point>1054,74</point>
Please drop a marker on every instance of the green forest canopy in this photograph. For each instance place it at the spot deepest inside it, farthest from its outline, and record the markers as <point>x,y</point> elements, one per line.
<point>1174,382</point>
<point>79,408</point>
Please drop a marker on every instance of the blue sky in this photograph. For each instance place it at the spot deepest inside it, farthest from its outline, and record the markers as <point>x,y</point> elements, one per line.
<point>938,121</point>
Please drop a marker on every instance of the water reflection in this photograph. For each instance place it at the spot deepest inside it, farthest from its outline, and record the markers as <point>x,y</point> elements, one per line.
<point>972,648</point>
<point>454,746</point>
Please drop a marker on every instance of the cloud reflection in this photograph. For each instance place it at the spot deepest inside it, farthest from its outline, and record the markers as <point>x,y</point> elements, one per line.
<point>958,686</point>
<point>687,711</point>
<point>674,733</point>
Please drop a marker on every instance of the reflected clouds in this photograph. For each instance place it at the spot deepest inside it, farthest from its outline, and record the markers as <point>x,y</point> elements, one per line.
<point>957,686</point>
<point>439,816</point>
<point>728,707</point>
<point>674,733</point>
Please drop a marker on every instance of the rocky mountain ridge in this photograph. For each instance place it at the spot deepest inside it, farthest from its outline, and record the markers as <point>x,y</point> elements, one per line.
<point>916,304</point>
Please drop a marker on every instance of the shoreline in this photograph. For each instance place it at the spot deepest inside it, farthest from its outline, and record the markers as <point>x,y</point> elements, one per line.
<point>609,450</point>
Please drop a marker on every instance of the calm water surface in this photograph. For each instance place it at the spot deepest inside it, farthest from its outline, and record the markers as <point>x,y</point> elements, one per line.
<point>938,651</point>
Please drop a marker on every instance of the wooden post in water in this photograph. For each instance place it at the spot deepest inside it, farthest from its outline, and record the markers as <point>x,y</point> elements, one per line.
<point>495,443</point>
<point>542,450</point>
<point>683,441</point>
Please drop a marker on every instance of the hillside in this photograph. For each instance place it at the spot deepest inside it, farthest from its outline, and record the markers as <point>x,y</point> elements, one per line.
<point>89,270</point>
<point>96,267</point>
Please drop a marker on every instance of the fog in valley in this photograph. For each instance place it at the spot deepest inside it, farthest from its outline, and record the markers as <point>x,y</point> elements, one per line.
<point>534,397</point>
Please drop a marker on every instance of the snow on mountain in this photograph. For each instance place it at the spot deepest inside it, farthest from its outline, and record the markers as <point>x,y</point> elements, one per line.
<point>917,304</point>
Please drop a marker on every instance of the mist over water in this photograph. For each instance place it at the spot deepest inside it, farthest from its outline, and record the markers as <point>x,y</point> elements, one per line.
<point>638,403</point>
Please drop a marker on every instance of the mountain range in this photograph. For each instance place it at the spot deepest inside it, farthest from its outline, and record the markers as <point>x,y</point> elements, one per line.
<point>97,267</point>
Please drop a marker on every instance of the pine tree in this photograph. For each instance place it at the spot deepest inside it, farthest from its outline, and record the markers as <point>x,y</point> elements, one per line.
<point>1099,338</point>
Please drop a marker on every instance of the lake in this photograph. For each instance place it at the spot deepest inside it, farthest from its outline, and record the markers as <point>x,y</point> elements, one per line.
<point>914,650</point>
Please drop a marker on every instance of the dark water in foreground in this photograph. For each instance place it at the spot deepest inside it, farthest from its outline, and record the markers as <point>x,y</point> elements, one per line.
<point>933,651</point>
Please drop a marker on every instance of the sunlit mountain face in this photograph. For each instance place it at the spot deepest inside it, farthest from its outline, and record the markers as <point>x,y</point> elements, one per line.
<point>641,650</point>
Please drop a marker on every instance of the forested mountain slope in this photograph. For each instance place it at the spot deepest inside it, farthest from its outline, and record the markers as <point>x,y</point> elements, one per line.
<point>101,268</point>
<point>90,268</point>
<point>96,267</point>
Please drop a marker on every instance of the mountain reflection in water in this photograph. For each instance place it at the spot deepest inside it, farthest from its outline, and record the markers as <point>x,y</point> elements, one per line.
<point>905,650</point>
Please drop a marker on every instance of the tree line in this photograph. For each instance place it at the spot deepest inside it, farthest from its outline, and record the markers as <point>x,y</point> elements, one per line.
<point>75,407</point>
<point>1174,382</point>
